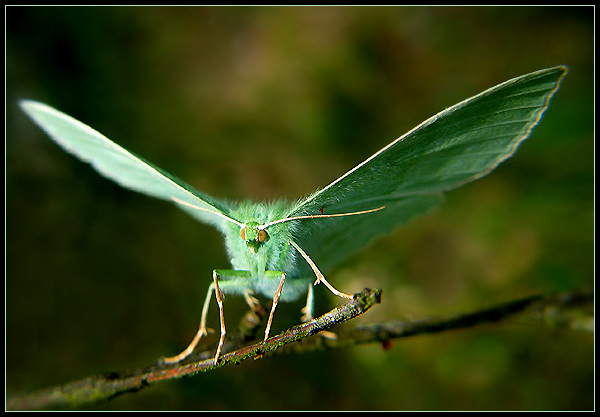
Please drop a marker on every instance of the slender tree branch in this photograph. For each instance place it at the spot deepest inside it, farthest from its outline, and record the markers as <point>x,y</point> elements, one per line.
<point>105,386</point>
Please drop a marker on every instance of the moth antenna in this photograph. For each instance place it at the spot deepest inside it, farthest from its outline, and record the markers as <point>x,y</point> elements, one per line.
<point>319,275</point>
<point>319,216</point>
<point>185,203</point>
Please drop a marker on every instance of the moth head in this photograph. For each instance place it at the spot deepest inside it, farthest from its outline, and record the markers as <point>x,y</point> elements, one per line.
<point>253,234</point>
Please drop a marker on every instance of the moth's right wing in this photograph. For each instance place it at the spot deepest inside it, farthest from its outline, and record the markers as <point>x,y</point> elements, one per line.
<point>120,165</point>
<point>458,145</point>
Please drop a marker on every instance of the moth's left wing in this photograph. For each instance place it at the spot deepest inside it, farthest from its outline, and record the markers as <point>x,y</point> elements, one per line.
<point>408,177</point>
<point>120,165</point>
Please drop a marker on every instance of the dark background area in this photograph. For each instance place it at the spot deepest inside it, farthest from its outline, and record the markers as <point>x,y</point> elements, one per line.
<point>270,102</point>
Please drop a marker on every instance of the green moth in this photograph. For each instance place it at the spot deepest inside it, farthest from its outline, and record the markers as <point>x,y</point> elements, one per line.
<point>279,249</point>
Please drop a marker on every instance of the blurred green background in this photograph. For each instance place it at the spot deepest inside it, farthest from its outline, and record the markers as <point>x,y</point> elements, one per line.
<point>269,102</point>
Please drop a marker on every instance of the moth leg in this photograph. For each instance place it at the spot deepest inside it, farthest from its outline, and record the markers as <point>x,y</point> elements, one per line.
<point>308,309</point>
<point>331,288</point>
<point>219,297</point>
<point>234,281</point>
<point>276,297</point>
<point>202,331</point>
<point>308,313</point>
<point>318,274</point>
<point>252,302</point>
<point>231,281</point>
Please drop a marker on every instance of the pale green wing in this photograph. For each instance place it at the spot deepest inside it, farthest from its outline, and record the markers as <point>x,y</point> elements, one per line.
<point>119,164</point>
<point>458,145</point>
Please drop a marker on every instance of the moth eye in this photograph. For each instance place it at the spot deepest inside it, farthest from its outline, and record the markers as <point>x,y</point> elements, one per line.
<point>262,235</point>
<point>243,233</point>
